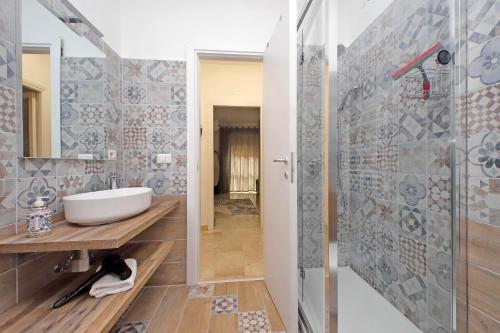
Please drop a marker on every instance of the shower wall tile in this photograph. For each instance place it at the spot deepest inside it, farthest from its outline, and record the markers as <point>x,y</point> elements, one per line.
<point>399,153</point>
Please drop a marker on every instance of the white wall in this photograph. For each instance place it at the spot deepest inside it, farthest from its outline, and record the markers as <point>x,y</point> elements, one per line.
<point>105,15</point>
<point>39,25</point>
<point>160,29</point>
<point>356,15</point>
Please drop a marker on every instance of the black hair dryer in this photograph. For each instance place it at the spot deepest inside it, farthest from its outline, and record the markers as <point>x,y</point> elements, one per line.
<point>112,263</point>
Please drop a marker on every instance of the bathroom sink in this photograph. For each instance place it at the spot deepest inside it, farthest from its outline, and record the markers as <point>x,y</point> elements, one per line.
<point>93,208</point>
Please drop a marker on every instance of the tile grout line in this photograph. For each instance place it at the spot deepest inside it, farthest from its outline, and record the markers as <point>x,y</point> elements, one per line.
<point>157,307</point>
<point>183,311</point>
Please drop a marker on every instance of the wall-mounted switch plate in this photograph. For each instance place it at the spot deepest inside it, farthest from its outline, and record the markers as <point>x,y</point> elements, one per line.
<point>111,155</point>
<point>163,158</point>
<point>85,156</point>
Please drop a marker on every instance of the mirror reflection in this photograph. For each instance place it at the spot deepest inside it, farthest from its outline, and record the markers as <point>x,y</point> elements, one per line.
<point>64,114</point>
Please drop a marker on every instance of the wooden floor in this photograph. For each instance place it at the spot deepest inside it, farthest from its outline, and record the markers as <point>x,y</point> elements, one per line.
<point>234,248</point>
<point>214,308</point>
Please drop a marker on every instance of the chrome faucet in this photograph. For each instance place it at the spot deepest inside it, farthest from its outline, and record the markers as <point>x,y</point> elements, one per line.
<point>113,182</point>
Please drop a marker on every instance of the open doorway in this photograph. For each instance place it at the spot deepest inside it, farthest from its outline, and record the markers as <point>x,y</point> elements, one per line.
<point>231,241</point>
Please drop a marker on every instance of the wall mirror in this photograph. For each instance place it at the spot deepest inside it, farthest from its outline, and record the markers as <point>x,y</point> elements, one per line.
<point>64,107</point>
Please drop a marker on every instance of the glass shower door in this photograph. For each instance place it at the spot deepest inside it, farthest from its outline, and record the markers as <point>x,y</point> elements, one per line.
<point>395,122</point>
<point>311,168</point>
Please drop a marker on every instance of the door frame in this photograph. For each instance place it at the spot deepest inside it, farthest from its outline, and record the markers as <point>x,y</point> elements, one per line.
<point>193,54</point>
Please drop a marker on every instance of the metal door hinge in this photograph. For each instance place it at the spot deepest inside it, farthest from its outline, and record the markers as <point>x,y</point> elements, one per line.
<point>302,273</point>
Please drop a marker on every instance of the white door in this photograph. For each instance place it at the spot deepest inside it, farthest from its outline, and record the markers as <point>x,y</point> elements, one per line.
<point>279,189</point>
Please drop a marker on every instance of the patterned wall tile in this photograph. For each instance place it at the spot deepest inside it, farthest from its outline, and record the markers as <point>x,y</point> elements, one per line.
<point>135,162</point>
<point>36,167</point>
<point>483,198</point>
<point>70,167</point>
<point>439,232</point>
<point>68,185</point>
<point>179,138</point>
<point>90,92</point>
<point>482,111</point>
<point>439,307</point>
<point>412,157</point>
<point>134,138</point>
<point>8,155</point>
<point>94,183</point>
<point>91,114</point>
<point>160,93</point>
<point>439,118</point>
<point>7,64</point>
<point>30,188</point>
<point>439,198</point>
<point>440,268</point>
<point>412,120</point>
<point>69,91</point>
<point>7,201</point>
<point>484,155</point>
<point>413,296</point>
<point>157,116</point>
<point>8,21</point>
<point>166,71</point>
<point>413,222</point>
<point>439,157</point>
<point>483,20</point>
<point>484,68</point>
<point>135,116</point>
<point>92,139</point>
<point>7,109</point>
<point>413,255</point>
<point>135,93</point>
<point>412,190</point>
<point>134,69</point>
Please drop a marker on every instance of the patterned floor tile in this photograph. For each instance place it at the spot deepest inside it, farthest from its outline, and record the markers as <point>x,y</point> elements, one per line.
<point>224,304</point>
<point>133,327</point>
<point>253,322</point>
<point>201,291</point>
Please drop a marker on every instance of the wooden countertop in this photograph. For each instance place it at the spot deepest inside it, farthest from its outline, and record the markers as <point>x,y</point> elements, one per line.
<point>68,236</point>
<point>84,313</point>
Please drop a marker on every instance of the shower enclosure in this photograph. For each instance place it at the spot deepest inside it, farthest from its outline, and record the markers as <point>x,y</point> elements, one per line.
<point>393,124</point>
<point>311,167</point>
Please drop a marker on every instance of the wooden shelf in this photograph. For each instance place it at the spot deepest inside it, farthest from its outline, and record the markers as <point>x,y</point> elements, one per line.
<point>68,236</point>
<point>85,313</point>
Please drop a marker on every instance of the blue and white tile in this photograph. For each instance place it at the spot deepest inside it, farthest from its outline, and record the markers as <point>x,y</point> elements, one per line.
<point>135,93</point>
<point>484,155</point>
<point>30,188</point>
<point>484,66</point>
<point>439,194</point>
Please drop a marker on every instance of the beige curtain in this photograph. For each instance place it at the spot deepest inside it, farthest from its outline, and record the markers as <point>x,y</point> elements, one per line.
<point>240,160</point>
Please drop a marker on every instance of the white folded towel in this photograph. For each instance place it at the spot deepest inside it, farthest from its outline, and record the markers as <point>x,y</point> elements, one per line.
<point>111,284</point>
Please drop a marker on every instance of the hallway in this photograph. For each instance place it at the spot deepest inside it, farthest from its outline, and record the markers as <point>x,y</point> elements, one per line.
<point>234,248</point>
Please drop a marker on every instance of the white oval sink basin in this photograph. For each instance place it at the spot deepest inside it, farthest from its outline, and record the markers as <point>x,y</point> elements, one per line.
<point>107,206</point>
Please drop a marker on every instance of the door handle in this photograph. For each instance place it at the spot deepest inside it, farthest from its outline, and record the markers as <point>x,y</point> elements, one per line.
<point>281,160</point>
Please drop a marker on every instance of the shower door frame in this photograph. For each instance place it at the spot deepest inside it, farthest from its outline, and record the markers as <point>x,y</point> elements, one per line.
<point>457,12</point>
